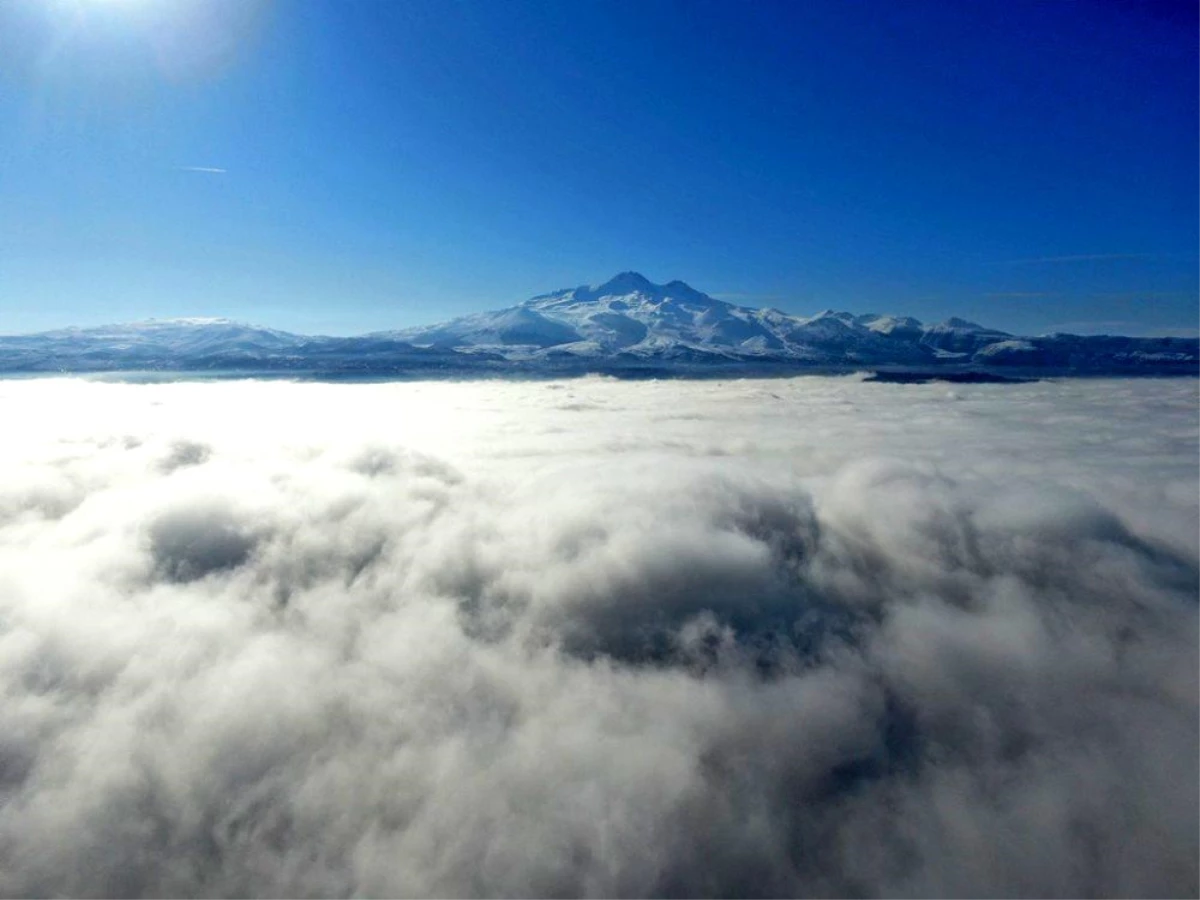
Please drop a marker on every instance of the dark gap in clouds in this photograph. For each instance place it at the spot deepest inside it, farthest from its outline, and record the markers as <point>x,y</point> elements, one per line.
<point>47,500</point>
<point>189,544</point>
<point>185,453</point>
<point>376,460</point>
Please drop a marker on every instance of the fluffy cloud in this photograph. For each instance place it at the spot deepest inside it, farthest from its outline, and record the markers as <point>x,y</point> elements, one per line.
<point>809,636</point>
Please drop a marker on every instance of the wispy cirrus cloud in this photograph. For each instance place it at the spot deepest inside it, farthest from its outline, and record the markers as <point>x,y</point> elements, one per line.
<point>1020,295</point>
<point>1079,258</point>
<point>1127,327</point>
<point>206,170</point>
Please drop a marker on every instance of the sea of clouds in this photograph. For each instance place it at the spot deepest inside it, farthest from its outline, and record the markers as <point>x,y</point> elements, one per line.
<point>590,637</point>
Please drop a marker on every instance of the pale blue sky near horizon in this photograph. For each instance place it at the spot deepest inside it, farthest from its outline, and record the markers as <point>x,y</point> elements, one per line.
<point>334,167</point>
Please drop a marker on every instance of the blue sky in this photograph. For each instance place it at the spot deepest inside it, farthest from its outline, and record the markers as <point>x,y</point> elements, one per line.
<point>340,167</point>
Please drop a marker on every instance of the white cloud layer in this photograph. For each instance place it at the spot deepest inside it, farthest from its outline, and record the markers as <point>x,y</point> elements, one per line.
<point>809,636</point>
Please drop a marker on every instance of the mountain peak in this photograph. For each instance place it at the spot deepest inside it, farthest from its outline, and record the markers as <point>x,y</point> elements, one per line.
<point>624,283</point>
<point>635,283</point>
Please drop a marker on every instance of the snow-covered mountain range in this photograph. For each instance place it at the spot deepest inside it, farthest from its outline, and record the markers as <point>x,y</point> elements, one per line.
<point>632,317</point>
<point>628,323</point>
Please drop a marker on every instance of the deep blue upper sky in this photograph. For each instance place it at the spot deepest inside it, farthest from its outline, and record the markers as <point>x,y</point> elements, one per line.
<point>340,167</point>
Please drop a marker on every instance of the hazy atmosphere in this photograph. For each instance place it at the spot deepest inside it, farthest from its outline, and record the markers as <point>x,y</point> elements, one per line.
<point>591,637</point>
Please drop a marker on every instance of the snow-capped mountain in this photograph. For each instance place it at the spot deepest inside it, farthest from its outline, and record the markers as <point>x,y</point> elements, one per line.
<point>630,316</point>
<point>628,323</point>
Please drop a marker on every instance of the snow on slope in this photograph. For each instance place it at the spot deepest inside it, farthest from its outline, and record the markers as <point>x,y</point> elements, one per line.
<point>631,316</point>
<point>626,321</point>
<point>150,344</point>
<point>185,335</point>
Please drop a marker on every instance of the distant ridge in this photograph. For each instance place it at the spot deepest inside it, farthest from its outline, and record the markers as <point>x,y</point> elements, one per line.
<point>626,324</point>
